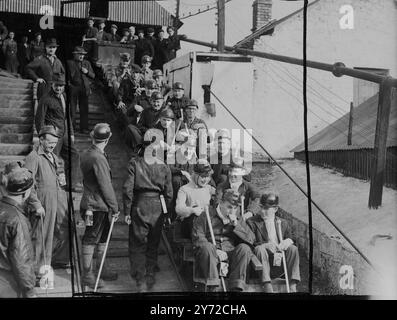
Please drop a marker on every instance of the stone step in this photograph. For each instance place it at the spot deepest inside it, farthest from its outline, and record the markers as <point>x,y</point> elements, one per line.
<point>14,119</point>
<point>7,159</point>
<point>16,104</point>
<point>16,128</point>
<point>15,83</point>
<point>17,97</point>
<point>13,90</point>
<point>19,113</point>
<point>17,138</point>
<point>15,149</point>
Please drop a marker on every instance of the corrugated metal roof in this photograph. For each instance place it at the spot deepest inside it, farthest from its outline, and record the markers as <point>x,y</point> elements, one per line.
<point>137,12</point>
<point>334,137</point>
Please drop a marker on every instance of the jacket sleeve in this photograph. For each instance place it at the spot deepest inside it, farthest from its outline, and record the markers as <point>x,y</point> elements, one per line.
<point>102,173</point>
<point>21,255</point>
<point>128,188</point>
<point>244,232</point>
<point>181,209</point>
<point>199,230</point>
<point>32,164</point>
<point>90,73</point>
<point>31,69</point>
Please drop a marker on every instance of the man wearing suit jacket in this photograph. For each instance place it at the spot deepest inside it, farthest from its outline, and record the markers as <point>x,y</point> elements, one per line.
<point>268,245</point>
<point>43,68</point>
<point>80,73</point>
<point>233,240</point>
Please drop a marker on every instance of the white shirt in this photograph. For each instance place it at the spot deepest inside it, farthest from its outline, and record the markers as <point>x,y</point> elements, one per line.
<point>271,230</point>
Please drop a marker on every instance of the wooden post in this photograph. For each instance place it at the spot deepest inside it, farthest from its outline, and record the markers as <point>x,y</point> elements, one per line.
<point>350,132</point>
<point>178,6</point>
<point>382,127</point>
<point>221,26</point>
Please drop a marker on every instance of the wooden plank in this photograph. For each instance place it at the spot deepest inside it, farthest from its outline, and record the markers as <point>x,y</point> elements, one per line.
<point>386,95</point>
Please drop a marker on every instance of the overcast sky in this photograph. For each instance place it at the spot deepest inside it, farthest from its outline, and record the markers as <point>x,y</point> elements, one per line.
<point>238,19</point>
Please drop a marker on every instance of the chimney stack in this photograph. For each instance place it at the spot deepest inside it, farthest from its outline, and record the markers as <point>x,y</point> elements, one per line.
<point>262,13</point>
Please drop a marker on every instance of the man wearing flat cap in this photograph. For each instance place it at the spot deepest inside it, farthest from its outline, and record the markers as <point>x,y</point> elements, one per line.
<point>48,181</point>
<point>17,278</point>
<point>102,35</point>
<point>90,40</point>
<point>43,68</point>
<point>268,243</point>
<point>52,111</point>
<point>37,46</point>
<point>143,47</point>
<point>80,74</point>
<point>233,240</point>
<point>147,73</point>
<point>99,199</point>
<point>113,36</point>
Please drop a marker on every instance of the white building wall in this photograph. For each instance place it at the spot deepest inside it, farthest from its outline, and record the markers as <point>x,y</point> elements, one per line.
<point>278,111</point>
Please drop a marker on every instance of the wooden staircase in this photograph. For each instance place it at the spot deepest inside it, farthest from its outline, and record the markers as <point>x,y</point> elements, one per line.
<point>16,119</point>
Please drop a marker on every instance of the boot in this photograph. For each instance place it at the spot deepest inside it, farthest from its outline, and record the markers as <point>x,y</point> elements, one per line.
<point>89,278</point>
<point>267,287</point>
<point>150,280</point>
<point>106,273</point>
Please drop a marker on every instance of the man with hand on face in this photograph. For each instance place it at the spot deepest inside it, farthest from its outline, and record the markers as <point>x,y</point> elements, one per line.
<point>195,196</point>
<point>161,86</point>
<point>178,101</point>
<point>233,240</point>
<point>43,68</point>
<point>268,245</point>
<point>43,163</point>
<point>52,111</point>
<point>17,278</point>
<point>235,181</point>
<point>147,73</point>
<point>80,73</point>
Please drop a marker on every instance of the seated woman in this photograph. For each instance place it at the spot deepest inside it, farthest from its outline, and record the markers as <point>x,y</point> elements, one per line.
<point>195,196</point>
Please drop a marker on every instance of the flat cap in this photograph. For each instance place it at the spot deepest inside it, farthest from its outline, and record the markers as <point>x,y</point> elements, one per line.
<point>146,58</point>
<point>101,132</point>
<point>150,30</point>
<point>167,113</point>
<point>58,79</point>
<point>114,26</point>
<point>223,134</point>
<point>49,130</point>
<point>269,200</point>
<point>19,181</point>
<point>203,168</point>
<point>79,50</point>
<point>231,196</point>
<point>11,166</point>
<point>125,56</point>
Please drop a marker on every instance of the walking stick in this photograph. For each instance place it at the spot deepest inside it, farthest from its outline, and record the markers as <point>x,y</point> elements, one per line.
<point>283,253</point>
<point>242,207</point>
<point>213,242</point>
<point>104,253</point>
<point>44,255</point>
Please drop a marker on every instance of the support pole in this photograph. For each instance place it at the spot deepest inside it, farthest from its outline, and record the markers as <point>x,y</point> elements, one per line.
<point>221,26</point>
<point>380,147</point>
<point>350,132</point>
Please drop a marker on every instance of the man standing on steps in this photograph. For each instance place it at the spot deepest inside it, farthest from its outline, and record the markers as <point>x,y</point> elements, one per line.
<point>52,111</point>
<point>268,245</point>
<point>43,68</point>
<point>43,164</point>
<point>80,73</point>
<point>99,201</point>
<point>149,179</point>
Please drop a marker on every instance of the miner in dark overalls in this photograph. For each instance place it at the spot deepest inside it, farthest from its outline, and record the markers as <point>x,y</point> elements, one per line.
<point>99,201</point>
<point>146,192</point>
